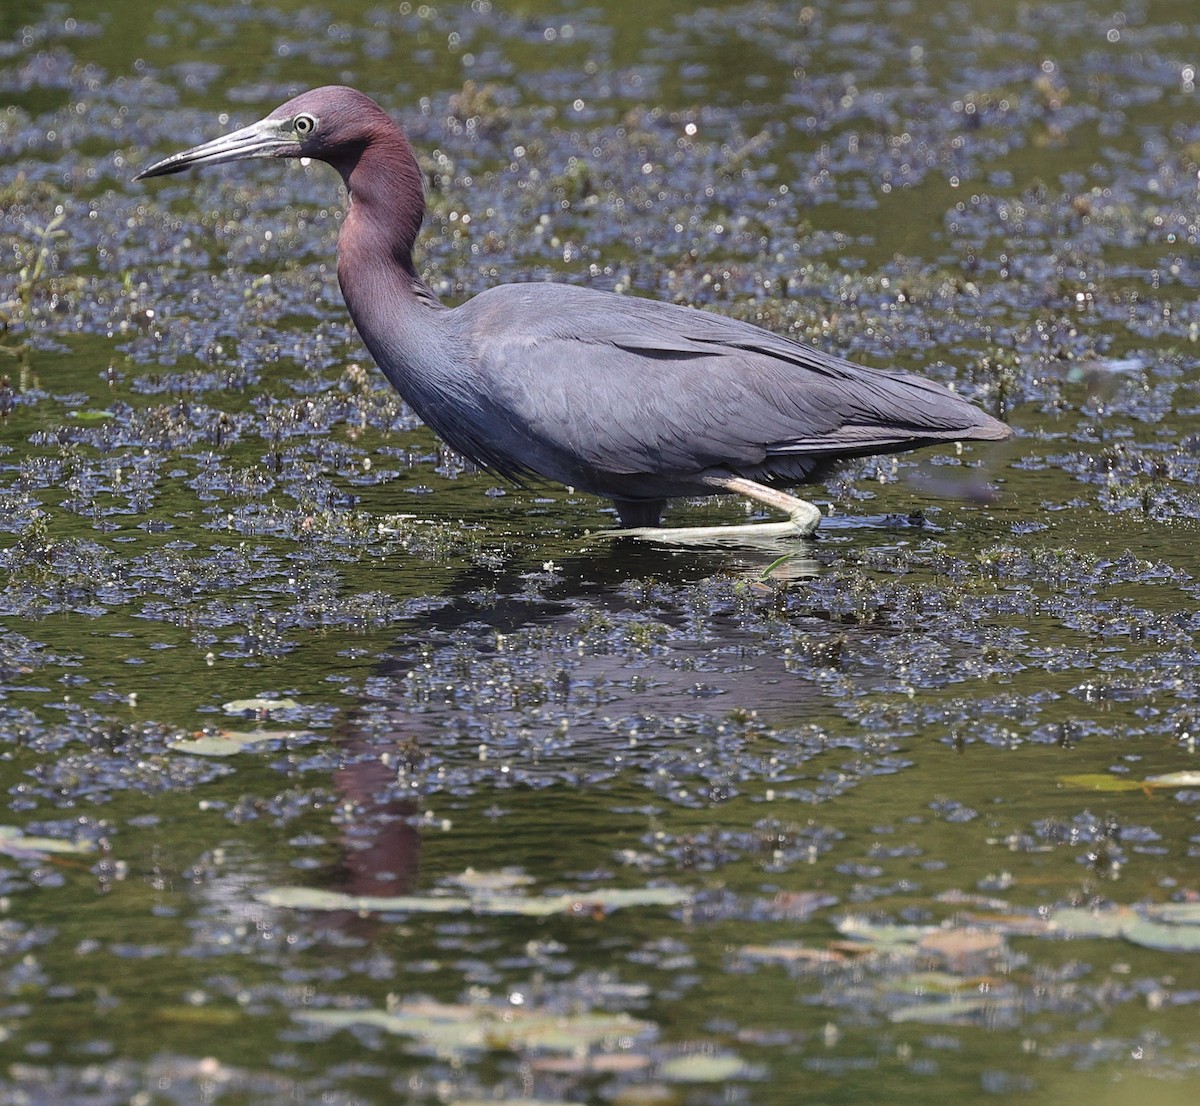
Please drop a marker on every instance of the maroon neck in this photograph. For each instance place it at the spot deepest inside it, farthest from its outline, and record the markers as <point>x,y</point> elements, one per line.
<point>387,200</point>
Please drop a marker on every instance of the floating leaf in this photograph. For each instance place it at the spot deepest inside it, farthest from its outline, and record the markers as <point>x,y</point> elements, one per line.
<point>15,844</point>
<point>1162,936</point>
<point>457,1028</point>
<point>1179,913</point>
<point>499,879</point>
<point>791,952</point>
<point>592,1063</point>
<point>480,902</point>
<point>258,706</point>
<point>1104,781</point>
<point>703,1067</point>
<point>1170,927</point>
<point>884,938</point>
<point>1101,781</point>
<point>229,743</point>
<point>931,984</point>
<point>1014,925</point>
<point>944,1011</point>
<point>1075,922</point>
<point>1173,779</point>
<point>960,947</point>
<point>617,898</point>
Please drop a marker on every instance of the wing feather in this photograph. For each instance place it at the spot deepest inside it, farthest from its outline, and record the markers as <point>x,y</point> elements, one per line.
<point>627,385</point>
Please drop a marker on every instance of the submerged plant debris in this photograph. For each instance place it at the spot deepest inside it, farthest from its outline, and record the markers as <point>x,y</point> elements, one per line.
<point>337,771</point>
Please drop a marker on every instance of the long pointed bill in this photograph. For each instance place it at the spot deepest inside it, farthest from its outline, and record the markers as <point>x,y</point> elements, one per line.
<point>266,138</point>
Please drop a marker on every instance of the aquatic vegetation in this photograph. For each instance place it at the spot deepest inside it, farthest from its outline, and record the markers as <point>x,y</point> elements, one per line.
<point>36,278</point>
<point>335,770</point>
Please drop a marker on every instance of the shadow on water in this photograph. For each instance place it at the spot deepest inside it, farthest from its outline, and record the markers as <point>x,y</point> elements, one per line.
<point>908,816</point>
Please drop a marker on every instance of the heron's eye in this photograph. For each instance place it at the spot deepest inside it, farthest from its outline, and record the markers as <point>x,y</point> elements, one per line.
<point>304,125</point>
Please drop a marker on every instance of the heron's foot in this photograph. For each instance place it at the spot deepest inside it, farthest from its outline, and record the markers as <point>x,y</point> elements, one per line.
<point>805,517</point>
<point>802,524</point>
<point>803,520</point>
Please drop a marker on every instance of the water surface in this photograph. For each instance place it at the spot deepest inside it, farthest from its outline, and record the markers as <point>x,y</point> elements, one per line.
<point>337,772</point>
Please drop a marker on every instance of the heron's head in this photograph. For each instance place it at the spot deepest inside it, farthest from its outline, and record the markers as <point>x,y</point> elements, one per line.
<point>332,124</point>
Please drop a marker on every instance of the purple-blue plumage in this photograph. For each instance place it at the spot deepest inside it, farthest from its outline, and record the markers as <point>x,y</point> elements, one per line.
<point>628,398</point>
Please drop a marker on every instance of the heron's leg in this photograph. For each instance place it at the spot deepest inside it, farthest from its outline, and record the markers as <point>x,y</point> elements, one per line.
<point>639,512</point>
<point>805,516</point>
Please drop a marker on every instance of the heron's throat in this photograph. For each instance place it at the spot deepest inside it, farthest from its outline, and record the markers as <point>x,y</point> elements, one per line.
<point>387,199</point>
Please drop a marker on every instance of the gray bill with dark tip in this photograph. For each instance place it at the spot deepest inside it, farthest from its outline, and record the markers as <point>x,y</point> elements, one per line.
<point>266,138</point>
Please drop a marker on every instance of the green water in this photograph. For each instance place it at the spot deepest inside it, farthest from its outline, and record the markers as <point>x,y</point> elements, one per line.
<point>897,815</point>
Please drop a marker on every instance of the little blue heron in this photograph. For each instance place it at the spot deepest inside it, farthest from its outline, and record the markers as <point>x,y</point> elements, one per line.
<point>628,398</point>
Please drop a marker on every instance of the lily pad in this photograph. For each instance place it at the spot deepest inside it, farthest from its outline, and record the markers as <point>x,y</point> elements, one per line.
<point>881,937</point>
<point>1178,913</point>
<point>943,1011</point>
<point>962,947</point>
<point>593,1063</point>
<point>258,706</point>
<point>703,1067</point>
<point>931,984</point>
<point>229,743</point>
<point>15,844</point>
<point>1162,936</point>
<point>1170,927</point>
<point>791,952</point>
<point>1076,922</point>
<point>458,1028</point>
